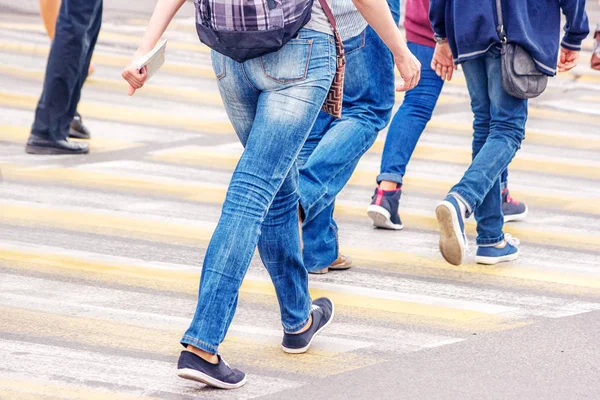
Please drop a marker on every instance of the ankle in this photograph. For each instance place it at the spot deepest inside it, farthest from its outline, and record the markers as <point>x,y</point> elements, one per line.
<point>388,185</point>
<point>305,327</point>
<point>206,356</point>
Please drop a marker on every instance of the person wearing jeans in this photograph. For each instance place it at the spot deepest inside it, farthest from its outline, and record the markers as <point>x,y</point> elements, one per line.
<point>76,33</point>
<point>272,102</point>
<point>499,118</point>
<point>409,123</point>
<point>334,147</point>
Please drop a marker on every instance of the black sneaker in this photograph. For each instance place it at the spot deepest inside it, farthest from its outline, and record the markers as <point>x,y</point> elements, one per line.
<point>384,209</point>
<point>322,311</point>
<point>77,129</point>
<point>221,375</point>
<point>512,209</point>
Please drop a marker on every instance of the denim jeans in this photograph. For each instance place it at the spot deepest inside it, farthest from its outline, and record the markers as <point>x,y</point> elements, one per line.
<point>77,29</point>
<point>411,118</point>
<point>335,147</point>
<point>272,102</point>
<point>499,129</point>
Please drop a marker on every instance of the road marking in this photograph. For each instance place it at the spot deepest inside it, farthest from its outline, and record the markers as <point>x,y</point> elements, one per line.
<point>215,194</point>
<point>411,307</point>
<point>16,134</point>
<point>111,60</point>
<point>150,90</point>
<point>128,115</point>
<point>567,140</point>
<point>110,37</point>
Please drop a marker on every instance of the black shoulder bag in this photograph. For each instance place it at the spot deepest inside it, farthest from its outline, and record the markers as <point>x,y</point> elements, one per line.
<point>520,76</point>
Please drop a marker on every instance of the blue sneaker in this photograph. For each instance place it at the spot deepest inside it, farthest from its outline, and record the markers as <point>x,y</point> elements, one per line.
<point>384,209</point>
<point>451,222</point>
<point>512,209</point>
<point>506,251</point>
<point>322,311</point>
<point>221,375</point>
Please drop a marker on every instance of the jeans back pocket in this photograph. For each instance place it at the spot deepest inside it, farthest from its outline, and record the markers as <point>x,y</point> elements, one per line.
<point>290,63</point>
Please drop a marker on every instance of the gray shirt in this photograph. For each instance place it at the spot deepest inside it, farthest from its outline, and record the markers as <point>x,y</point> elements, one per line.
<point>349,21</point>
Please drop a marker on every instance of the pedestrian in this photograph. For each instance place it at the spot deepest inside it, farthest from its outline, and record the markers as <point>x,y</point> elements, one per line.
<point>272,101</point>
<point>499,117</point>
<point>335,146</point>
<point>76,33</point>
<point>409,123</point>
<point>595,61</point>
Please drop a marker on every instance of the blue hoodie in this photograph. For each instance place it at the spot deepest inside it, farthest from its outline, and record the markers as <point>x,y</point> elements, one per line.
<point>471,27</point>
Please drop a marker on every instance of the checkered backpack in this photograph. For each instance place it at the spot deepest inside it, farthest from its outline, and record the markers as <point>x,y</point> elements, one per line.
<point>246,29</point>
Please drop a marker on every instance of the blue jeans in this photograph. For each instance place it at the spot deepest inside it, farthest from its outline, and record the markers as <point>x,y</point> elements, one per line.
<point>335,147</point>
<point>272,102</point>
<point>499,129</point>
<point>77,30</point>
<point>411,118</point>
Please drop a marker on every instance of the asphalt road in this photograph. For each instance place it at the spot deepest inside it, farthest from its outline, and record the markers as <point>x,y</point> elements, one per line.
<point>100,254</point>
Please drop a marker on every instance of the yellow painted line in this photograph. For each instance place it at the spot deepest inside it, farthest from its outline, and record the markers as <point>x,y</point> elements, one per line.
<point>551,114</point>
<point>187,282</point>
<point>208,98</point>
<point>23,389</point>
<point>541,236</point>
<point>110,60</point>
<point>17,134</point>
<point>109,37</point>
<point>127,115</point>
<point>125,226</point>
<point>513,274</point>
<point>441,187</point>
<point>531,136</point>
<point>102,333</point>
<point>196,156</point>
<point>591,99</point>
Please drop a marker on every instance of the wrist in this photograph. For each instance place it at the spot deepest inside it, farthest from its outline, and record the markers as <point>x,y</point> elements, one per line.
<point>440,39</point>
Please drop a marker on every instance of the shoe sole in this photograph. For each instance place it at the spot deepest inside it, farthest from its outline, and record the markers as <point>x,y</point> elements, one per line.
<point>77,135</point>
<point>51,151</point>
<point>305,348</point>
<point>516,217</point>
<point>193,375</point>
<point>452,246</point>
<point>319,272</point>
<point>496,260</point>
<point>382,218</point>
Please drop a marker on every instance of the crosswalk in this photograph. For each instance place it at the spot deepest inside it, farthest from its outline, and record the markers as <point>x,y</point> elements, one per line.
<point>100,255</point>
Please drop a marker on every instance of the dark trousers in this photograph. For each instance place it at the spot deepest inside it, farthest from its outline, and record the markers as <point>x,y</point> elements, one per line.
<point>77,30</point>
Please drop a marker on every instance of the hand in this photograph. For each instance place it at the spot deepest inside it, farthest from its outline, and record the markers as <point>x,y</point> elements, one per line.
<point>442,62</point>
<point>133,76</point>
<point>409,68</point>
<point>568,59</point>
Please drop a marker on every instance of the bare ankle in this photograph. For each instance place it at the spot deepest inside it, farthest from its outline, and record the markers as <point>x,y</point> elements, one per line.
<point>305,327</point>
<point>206,356</point>
<point>387,185</point>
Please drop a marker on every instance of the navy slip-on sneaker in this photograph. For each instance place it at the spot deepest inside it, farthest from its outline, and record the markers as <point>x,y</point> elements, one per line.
<point>322,311</point>
<point>451,223</point>
<point>384,209</point>
<point>512,209</point>
<point>221,375</point>
<point>506,251</point>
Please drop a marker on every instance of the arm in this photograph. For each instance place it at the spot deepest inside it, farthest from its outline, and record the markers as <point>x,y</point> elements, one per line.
<point>576,30</point>
<point>378,15</point>
<point>437,16</point>
<point>577,27</point>
<point>163,13</point>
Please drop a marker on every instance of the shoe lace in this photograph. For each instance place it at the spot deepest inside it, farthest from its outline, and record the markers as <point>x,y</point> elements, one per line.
<point>511,240</point>
<point>512,200</point>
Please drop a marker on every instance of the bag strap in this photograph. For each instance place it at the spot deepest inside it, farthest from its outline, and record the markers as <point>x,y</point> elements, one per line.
<point>500,27</point>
